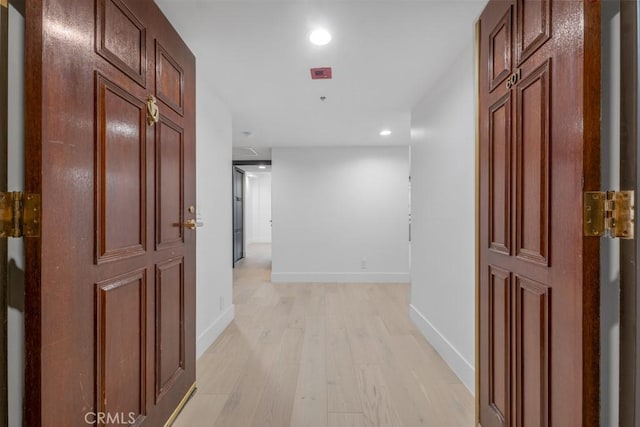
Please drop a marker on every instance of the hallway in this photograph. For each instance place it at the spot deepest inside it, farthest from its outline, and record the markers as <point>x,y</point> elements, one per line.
<point>322,355</point>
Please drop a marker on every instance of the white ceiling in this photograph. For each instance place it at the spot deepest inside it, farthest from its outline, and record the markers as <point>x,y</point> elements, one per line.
<point>245,151</point>
<point>385,56</point>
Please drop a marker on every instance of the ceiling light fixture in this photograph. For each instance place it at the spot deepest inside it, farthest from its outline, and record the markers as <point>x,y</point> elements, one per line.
<point>262,167</point>
<point>320,37</point>
<point>385,132</point>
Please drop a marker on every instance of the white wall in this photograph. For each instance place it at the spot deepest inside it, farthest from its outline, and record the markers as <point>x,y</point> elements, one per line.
<point>258,207</point>
<point>214,302</point>
<point>340,214</point>
<point>443,216</point>
<point>15,316</point>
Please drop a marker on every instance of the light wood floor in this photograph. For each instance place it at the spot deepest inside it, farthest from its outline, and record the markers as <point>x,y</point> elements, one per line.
<point>326,355</point>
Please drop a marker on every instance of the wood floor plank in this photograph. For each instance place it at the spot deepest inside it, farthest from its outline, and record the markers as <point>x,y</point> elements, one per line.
<point>363,348</point>
<point>415,402</point>
<point>218,371</point>
<point>219,374</point>
<point>463,402</point>
<point>241,406</point>
<point>346,420</point>
<point>227,336</point>
<point>243,401</point>
<point>334,308</point>
<point>342,391</point>
<point>316,306</point>
<point>377,404</point>
<point>393,308</point>
<point>297,316</point>
<point>292,344</point>
<point>429,363</point>
<point>276,403</point>
<point>265,295</point>
<point>276,317</point>
<point>310,405</point>
<point>201,407</point>
<point>245,292</point>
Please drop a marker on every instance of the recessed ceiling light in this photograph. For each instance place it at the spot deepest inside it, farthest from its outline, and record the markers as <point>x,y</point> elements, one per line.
<point>320,37</point>
<point>262,167</point>
<point>385,132</point>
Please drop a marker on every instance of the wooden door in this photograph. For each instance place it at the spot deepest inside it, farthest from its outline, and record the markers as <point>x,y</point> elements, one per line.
<point>110,304</point>
<point>238,214</point>
<point>539,105</point>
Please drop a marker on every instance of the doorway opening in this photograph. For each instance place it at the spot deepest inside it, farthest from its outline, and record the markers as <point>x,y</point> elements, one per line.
<point>252,222</point>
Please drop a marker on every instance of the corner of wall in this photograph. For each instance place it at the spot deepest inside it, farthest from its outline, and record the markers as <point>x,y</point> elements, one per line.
<point>443,247</point>
<point>214,276</point>
<point>211,334</point>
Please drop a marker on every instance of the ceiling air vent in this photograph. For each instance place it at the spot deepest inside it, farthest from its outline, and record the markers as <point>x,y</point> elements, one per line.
<point>321,73</point>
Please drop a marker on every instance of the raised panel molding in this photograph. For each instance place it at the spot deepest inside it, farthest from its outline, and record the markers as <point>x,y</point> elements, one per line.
<point>121,336</point>
<point>169,152</point>
<point>532,327</point>
<point>125,49</point>
<point>500,48</point>
<point>170,334</point>
<point>532,166</point>
<point>500,175</point>
<point>120,203</point>
<point>534,27</point>
<point>169,80</point>
<point>499,357</point>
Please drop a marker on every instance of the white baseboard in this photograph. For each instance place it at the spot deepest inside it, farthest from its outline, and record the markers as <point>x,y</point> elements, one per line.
<point>460,366</point>
<point>340,277</point>
<point>212,333</point>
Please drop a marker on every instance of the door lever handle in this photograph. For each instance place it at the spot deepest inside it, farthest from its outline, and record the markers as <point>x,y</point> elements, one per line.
<point>192,224</point>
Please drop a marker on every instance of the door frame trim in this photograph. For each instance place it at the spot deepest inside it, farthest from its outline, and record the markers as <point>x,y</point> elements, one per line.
<point>4,279</point>
<point>251,162</point>
<point>233,216</point>
<point>234,164</point>
<point>476,64</point>
<point>629,249</point>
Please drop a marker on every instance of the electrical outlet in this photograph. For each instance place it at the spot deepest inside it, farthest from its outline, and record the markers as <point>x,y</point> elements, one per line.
<point>363,264</point>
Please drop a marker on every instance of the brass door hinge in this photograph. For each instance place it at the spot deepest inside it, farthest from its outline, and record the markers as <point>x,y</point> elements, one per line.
<point>19,214</point>
<point>609,214</point>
